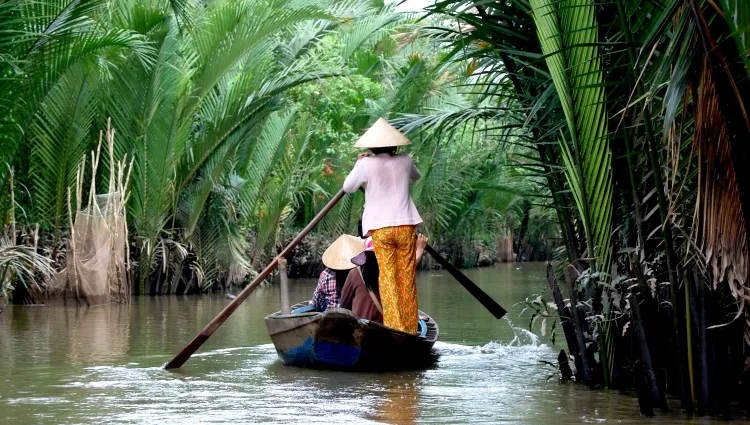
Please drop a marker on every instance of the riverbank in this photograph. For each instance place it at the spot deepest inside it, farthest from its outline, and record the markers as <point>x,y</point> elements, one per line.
<point>183,273</point>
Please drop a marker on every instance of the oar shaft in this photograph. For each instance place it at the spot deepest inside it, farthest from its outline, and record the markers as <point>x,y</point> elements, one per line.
<point>470,286</point>
<point>224,314</point>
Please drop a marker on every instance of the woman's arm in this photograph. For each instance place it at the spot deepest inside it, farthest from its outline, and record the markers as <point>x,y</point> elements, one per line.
<point>414,175</point>
<point>356,178</point>
<point>319,300</point>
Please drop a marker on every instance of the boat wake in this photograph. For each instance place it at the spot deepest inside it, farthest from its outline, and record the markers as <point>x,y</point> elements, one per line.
<point>522,338</point>
<point>525,350</point>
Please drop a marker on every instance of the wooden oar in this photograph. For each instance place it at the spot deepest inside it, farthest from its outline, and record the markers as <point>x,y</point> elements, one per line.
<point>224,314</point>
<point>470,286</point>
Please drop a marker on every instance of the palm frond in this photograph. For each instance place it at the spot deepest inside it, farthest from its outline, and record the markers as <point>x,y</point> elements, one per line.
<point>737,15</point>
<point>568,33</point>
<point>265,153</point>
<point>366,30</point>
<point>22,264</point>
<point>60,137</point>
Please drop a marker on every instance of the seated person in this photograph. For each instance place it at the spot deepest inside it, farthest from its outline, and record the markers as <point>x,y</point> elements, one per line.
<point>359,293</point>
<point>337,260</point>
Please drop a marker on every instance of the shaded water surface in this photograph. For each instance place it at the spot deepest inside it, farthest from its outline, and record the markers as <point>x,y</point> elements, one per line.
<point>103,365</point>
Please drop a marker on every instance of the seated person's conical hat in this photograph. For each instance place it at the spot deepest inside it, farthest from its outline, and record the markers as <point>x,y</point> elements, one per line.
<point>339,255</point>
<point>381,135</point>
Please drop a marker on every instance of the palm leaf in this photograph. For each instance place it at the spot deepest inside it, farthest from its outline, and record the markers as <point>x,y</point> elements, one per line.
<point>23,264</point>
<point>366,30</point>
<point>146,106</point>
<point>60,137</point>
<point>737,14</point>
<point>266,151</point>
<point>568,34</point>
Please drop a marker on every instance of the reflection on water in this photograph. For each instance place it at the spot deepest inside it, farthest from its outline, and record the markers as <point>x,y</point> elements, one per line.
<point>103,365</point>
<point>399,404</point>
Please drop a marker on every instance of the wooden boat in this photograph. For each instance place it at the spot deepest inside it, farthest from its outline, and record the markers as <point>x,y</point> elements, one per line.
<point>337,339</point>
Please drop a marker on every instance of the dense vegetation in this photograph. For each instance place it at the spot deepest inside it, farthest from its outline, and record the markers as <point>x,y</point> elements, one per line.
<point>636,112</point>
<point>618,127</point>
<point>238,117</point>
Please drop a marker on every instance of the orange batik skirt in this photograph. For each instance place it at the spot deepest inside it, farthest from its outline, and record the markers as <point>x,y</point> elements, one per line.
<point>395,249</point>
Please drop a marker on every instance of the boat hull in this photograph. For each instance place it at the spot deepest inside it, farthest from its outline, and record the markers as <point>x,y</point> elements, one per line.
<point>337,339</point>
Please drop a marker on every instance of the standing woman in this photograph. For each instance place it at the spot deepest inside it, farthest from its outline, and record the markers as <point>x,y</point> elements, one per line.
<point>391,218</point>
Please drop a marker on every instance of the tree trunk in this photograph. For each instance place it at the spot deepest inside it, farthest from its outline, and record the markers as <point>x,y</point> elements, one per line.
<point>655,396</point>
<point>580,339</point>
<point>524,226</point>
<point>698,312</point>
<point>565,320</point>
<point>640,388</point>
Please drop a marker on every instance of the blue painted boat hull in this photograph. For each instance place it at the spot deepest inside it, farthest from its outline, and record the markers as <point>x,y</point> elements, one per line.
<point>337,339</point>
<point>312,353</point>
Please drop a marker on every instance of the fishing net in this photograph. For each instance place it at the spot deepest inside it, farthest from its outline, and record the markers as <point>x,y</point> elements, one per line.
<point>96,262</point>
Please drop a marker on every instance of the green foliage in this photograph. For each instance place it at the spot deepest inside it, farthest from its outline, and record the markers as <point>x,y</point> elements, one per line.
<point>568,34</point>
<point>22,265</point>
<point>628,114</point>
<point>240,116</point>
<point>60,140</point>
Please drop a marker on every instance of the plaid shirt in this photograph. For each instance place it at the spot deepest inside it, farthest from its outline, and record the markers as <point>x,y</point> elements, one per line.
<point>325,296</point>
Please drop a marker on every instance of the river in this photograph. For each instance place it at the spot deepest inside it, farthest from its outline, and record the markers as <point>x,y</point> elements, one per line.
<point>102,365</point>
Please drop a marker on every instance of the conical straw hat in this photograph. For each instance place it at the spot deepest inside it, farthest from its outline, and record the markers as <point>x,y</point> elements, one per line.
<point>381,135</point>
<point>339,255</point>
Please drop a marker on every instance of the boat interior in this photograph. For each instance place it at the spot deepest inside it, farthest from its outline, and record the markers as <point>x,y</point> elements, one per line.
<point>428,329</point>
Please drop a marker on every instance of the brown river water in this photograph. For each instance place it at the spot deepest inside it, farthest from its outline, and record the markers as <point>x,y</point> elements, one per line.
<point>103,365</point>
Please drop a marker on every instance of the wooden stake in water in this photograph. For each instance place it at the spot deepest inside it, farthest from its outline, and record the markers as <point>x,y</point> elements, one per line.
<point>284,287</point>
<point>224,314</point>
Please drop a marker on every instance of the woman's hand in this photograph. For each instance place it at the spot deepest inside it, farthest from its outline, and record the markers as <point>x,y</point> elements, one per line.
<point>421,244</point>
